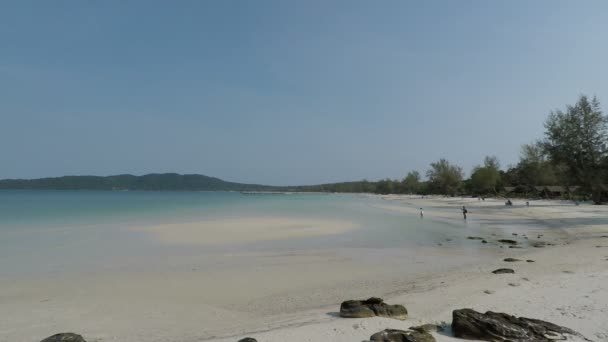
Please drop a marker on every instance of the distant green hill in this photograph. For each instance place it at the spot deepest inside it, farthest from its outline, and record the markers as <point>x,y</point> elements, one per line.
<point>165,181</point>
<point>169,182</point>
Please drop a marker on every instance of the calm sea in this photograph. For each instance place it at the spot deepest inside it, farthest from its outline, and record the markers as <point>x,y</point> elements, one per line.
<point>65,231</point>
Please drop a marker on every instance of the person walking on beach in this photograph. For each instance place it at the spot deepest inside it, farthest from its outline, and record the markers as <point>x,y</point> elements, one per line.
<point>421,213</point>
<point>464,212</point>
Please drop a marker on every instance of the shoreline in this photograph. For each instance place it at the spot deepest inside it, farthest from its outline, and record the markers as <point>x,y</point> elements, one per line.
<point>169,304</point>
<point>548,288</point>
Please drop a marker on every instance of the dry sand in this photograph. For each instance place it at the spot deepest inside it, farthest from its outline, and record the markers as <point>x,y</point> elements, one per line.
<point>566,285</point>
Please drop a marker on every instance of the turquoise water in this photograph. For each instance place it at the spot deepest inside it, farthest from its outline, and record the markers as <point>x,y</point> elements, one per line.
<point>63,231</point>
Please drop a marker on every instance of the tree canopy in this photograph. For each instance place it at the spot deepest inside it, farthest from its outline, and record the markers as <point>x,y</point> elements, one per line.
<point>411,182</point>
<point>444,177</point>
<point>576,140</point>
<point>484,179</point>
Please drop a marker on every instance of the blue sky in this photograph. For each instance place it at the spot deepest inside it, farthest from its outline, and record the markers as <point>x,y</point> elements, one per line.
<point>285,92</point>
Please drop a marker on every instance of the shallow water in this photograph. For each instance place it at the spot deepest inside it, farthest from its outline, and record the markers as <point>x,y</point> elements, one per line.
<point>65,254</point>
<point>71,231</point>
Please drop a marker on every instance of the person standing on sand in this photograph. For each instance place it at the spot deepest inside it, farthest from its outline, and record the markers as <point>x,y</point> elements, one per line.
<point>421,213</point>
<point>464,212</point>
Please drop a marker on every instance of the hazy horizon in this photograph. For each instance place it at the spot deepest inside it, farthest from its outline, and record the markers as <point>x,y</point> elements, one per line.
<point>282,93</point>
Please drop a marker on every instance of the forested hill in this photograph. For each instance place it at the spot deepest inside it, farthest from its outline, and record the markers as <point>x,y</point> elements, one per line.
<point>165,181</point>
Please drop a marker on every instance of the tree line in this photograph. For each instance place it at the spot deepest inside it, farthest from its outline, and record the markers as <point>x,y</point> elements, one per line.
<point>572,153</point>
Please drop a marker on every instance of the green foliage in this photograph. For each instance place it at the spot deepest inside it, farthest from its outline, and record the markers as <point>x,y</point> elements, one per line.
<point>576,141</point>
<point>484,179</point>
<point>411,183</point>
<point>444,178</point>
<point>385,186</point>
<point>363,186</point>
<point>534,168</point>
<point>166,181</point>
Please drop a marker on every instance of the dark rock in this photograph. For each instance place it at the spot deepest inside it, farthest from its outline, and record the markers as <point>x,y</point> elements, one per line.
<point>484,241</point>
<point>514,247</point>
<point>64,337</point>
<point>530,260</point>
<point>394,335</point>
<point>248,339</point>
<point>427,328</point>
<point>514,234</point>
<point>511,260</point>
<point>510,242</point>
<point>539,244</point>
<point>496,326</point>
<point>503,270</point>
<point>474,238</point>
<point>370,308</point>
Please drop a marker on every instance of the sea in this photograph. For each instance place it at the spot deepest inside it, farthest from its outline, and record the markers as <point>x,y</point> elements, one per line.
<point>57,232</point>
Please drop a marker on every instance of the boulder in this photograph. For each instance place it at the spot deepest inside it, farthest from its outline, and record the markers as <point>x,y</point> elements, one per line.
<point>64,337</point>
<point>511,260</point>
<point>503,271</point>
<point>474,238</point>
<point>496,326</point>
<point>248,339</point>
<point>370,308</point>
<point>511,242</point>
<point>394,335</point>
<point>530,260</point>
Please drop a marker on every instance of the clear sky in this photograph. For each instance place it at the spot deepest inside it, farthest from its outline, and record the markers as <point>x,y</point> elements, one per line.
<point>285,92</point>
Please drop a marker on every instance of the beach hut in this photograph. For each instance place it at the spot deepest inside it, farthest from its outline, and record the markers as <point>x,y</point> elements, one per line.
<point>556,191</point>
<point>510,189</point>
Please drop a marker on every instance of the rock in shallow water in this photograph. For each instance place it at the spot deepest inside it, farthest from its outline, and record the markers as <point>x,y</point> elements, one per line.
<point>503,270</point>
<point>248,339</point>
<point>511,260</point>
<point>394,335</point>
<point>497,326</point>
<point>64,337</point>
<point>370,308</point>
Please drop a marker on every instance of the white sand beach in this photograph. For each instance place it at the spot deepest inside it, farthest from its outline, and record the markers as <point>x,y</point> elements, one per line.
<point>565,285</point>
<point>296,296</point>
